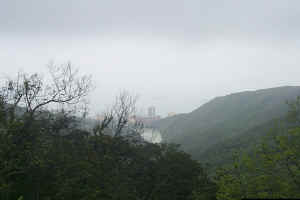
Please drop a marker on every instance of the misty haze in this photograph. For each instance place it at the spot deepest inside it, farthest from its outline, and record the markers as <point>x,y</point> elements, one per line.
<point>149,100</point>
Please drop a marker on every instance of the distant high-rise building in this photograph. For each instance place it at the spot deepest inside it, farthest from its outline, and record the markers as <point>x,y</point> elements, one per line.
<point>151,112</point>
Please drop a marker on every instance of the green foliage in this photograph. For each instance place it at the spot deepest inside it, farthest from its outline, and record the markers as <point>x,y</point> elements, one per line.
<point>45,155</point>
<point>272,171</point>
<point>48,158</point>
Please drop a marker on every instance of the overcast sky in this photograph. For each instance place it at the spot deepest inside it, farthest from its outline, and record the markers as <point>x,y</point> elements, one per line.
<point>175,54</point>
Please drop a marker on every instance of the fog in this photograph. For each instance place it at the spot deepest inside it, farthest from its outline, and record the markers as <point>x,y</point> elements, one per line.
<point>175,55</point>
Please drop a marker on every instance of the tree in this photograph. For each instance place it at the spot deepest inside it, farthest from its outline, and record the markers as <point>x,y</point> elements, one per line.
<point>25,125</point>
<point>272,171</point>
<point>35,94</point>
<point>117,119</point>
<point>46,155</point>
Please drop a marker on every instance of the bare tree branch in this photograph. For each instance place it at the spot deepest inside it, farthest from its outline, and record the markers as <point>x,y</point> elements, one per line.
<point>119,116</point>
<point>65,87</point>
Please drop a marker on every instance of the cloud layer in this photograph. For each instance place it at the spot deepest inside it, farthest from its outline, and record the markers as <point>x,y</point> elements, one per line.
<point>175,54</point>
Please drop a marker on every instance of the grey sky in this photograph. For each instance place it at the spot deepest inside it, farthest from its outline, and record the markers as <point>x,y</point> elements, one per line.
<point>175,54</point>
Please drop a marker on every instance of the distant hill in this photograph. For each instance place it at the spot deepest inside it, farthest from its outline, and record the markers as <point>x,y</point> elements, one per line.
<point>236,119</point>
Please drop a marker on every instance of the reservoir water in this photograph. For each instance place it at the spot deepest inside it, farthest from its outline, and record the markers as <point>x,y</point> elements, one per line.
<point>152,135</point>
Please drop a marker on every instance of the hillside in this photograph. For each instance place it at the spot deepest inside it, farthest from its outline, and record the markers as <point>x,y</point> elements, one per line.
<point>227,120</point>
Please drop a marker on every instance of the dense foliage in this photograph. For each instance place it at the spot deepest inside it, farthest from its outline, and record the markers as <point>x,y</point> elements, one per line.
<point>39,162</point>
<point>272,170</point>
<point>46,155</point>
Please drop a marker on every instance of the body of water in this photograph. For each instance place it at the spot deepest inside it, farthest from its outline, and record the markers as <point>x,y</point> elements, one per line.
<point>152,135</point>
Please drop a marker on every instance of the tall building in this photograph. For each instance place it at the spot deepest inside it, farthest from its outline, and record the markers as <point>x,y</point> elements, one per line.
<point>151,112</point>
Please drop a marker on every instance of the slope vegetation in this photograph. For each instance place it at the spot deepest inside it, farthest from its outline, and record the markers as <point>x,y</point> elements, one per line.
<point>238,118</point>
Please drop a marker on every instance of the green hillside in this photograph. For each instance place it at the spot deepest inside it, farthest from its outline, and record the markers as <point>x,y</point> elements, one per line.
<point>237,119</point>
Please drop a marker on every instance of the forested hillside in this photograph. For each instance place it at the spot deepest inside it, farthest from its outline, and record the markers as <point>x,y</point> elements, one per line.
<point>224,122</point>
<point>49,153</point>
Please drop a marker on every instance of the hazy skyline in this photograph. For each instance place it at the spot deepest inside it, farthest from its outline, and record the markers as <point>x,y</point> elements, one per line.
<point>174,54</point>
